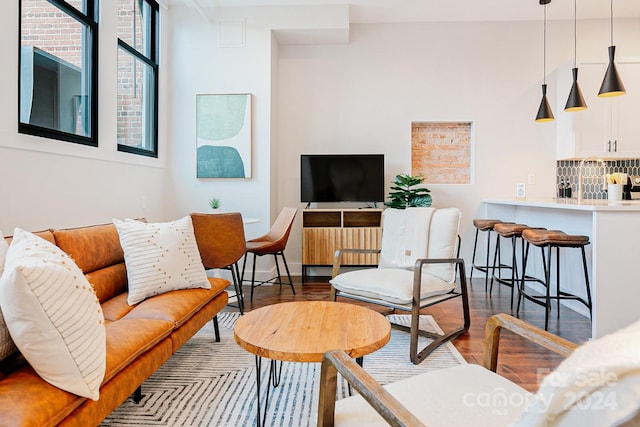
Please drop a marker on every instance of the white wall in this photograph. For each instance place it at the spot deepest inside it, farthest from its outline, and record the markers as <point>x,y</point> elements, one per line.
<point>200,65</point>
<point>363,96</point>
<point>47,183</point>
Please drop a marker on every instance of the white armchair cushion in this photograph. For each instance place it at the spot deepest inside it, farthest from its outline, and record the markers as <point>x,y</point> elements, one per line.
<point>404,236</point>
<point>465,395</point>
<point>394,285</point>
<point>414,233</point>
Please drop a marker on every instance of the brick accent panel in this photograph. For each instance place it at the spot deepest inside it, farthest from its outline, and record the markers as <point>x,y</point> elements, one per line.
<point>441,152</point>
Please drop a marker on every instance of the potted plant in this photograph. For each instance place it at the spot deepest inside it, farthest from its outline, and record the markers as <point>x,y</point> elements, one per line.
<point>214,204</point>
<point>405,193</point>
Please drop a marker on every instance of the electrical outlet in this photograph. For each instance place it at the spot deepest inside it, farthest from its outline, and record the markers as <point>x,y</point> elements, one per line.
<point>520,191</point>
<point>531,178</point>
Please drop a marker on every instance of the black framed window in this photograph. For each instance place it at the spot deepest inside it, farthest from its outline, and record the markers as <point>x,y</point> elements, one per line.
<point>58,78</point>
<point>138,24</point>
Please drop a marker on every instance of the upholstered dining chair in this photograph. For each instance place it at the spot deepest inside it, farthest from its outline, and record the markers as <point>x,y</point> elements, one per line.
<point>272,243</point>
<point>417,268</point>
<point>221,242</point>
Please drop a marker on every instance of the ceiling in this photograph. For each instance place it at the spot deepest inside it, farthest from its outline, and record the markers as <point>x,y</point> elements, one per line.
<point>377,11</point>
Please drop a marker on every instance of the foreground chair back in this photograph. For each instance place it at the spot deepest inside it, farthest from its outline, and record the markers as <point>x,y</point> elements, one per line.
<point>272,243</point>
<point>597,385</point>
<point>221,242</point>
<point>417,269</point>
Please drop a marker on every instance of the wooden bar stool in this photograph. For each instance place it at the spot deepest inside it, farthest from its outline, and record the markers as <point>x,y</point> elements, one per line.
<point>550,239</point>
<point>483,225</point>
<point>513,232</point>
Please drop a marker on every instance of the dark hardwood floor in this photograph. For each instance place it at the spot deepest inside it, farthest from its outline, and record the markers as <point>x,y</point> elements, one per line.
<point>520,361</point>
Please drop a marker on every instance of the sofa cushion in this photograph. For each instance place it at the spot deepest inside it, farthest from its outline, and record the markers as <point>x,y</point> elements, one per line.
<point>7,347</point>
<point>160,257</point>
<point>53,315</point>
<point>177,306</point>
<point>123,346</point>
<point>92,248</point>
<point>96,250</point>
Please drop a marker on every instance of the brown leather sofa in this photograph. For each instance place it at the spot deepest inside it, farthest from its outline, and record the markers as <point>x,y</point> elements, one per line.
<point>140,338</point>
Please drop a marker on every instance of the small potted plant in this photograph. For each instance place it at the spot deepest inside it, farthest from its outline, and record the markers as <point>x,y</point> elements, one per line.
<point>214,204</point>
<point>405,193</point>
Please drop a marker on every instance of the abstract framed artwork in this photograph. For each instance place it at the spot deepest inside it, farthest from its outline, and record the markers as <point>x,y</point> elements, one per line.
<point>223,135</point>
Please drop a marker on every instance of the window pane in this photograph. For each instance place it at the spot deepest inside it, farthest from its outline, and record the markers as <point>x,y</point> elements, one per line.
<point>78,4</point>
<point>134,24</point>
<point>54,69</point>
<point>135,102</point>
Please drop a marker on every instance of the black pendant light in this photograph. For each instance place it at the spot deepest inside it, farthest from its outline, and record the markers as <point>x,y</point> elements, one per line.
<point>612,83</point>
<point>544,111</point>
<point>575,102</point>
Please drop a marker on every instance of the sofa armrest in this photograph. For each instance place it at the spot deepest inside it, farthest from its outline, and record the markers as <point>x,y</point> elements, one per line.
<point>526,330</point>
<point>337,257</point>
<point>382,401</point>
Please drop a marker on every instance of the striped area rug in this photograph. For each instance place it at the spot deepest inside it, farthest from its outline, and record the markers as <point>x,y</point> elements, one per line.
<point>213,384</point>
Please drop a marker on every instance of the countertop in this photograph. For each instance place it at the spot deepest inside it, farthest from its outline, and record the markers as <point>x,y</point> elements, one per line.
<point>572,204</point>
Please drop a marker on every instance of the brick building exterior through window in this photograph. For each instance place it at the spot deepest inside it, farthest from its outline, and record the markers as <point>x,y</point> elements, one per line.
<point>441,152</point>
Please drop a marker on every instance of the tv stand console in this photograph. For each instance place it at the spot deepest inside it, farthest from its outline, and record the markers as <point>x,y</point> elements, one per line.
<point>326,230</point>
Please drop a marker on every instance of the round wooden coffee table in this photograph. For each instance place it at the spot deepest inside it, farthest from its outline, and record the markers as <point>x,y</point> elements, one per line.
<point>303,331</point>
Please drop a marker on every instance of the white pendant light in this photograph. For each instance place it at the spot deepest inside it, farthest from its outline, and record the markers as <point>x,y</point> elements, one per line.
<point>612,84</point>
<point>544,111</point>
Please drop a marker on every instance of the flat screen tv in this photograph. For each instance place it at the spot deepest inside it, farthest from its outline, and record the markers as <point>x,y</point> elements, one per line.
<point>342,177</point>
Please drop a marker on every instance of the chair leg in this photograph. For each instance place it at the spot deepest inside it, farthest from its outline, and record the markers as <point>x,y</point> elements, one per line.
<point>238,288</point>
<point>237,270</point>
<point>253,276</point>
<point>473,257</point>
<point>216,328</point>
<point>558,280</point>
<point>286,267</point>
<point>521,290</point>
<point>586,280</point>
<point>275,259</point>
<point>547,276</point>
<point>244,264</point>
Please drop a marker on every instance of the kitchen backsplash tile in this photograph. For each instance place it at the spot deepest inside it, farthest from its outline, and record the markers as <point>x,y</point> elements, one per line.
<point>592,178</point>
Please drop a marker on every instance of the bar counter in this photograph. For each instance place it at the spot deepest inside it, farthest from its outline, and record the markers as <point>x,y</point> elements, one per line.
<point>613,255</point>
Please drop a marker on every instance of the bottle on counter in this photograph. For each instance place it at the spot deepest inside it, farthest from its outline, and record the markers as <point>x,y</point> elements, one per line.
<point>567,190</point>
<point>561,189</point>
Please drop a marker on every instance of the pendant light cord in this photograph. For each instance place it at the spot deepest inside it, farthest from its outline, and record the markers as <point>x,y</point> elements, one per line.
<point>611,23</point>
<point>575,33</point>
<point>544,47</point>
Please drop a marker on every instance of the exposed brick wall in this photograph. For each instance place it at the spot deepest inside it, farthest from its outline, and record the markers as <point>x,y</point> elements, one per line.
<point>48,28</point>
<point>441,152</point>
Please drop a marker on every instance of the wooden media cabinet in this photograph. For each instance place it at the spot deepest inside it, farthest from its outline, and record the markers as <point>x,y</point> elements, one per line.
<point>326,230</point>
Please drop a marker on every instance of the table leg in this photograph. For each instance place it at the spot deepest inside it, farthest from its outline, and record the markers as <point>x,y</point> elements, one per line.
<point>274,380</point>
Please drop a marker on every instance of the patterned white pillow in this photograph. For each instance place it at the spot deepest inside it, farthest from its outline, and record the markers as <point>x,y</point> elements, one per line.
<point>160,257</point>
<point>7,347</point>
<point>54,315</point>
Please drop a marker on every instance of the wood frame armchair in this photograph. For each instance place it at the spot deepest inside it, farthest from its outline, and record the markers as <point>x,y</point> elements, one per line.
<point>385,404</point>
<point>419,267</point>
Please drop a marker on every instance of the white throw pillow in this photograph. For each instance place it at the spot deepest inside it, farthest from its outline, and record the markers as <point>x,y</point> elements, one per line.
<point>160,257</point>
<point>7,347</point>
<point>54,315</point>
